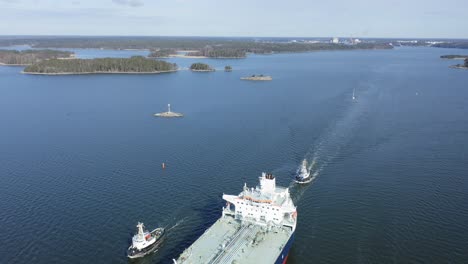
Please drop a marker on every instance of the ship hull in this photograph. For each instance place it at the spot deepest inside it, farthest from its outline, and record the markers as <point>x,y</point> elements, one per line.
<point>283,257</point>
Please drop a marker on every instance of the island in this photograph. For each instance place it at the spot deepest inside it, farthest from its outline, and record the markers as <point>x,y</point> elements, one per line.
<point>260,77</point>
<point>169,113</point>
<point>452,45</point>
<point>228,68</point>
<point>461,66</point>
<point>454,57</point>
<point>201,67</point>
<point>133,65</point>
<point>162,53</point>
<point>28,57</point>
<point>207,46</point>
<point>219,52</point>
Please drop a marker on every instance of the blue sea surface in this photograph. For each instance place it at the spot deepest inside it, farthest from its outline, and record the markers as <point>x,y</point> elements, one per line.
<point>80,156</point>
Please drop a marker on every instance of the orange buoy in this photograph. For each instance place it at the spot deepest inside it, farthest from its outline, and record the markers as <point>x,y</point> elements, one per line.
<point>163,165</point>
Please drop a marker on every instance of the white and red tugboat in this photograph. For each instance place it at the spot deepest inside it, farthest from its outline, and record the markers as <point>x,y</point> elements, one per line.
<point>145,242</point>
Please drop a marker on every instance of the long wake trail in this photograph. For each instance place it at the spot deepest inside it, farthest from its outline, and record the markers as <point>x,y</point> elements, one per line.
<point>331,143</point>
<point>168,229</point>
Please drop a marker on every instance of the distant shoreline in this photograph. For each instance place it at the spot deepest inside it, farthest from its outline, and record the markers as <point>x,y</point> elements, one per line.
<point>457,58</point>
<point>89,73</point>
<point>210,70</point>
<point>6,64</point>
<point>186,56</point>
<point>459,67</point>
<point>454,57</point>
<point>257,78</point>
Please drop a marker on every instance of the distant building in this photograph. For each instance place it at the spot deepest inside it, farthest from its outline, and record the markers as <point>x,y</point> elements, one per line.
<point>434,42</point>
<point>335,40</point>
<point>407,41</point>
<point>313,41</point>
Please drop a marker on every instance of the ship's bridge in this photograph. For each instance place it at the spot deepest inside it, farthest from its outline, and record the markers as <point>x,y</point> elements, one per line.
<point>265,204</point>
<point>257,226</point>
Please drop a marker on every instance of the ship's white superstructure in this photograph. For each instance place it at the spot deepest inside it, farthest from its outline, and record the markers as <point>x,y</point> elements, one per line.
<point>142,239</point>
<point>264,205</point>
<point>256,227</point>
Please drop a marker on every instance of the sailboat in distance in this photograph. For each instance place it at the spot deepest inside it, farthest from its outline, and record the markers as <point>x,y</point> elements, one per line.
<point>354,94</point>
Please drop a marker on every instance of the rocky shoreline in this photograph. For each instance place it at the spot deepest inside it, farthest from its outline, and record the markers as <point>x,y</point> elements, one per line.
<point>459,66</point>
<point>89,73</point>
<point>210,70</point>
<point>257,78</point>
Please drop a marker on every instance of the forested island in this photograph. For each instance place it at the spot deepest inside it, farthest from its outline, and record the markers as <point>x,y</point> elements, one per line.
<point>240,49</point>
<point>134,65</point>
<point>27,57</point>
<point>461,66</point>
<point>208,46</point>
<point>162,53</point>
<point>255,77</point>
<point>452,45</point>
<point>219,52</point>
<point>454,57</point>
<point>201,67</point>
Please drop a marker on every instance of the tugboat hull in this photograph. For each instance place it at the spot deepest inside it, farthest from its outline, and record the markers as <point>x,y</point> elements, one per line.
<point>303,173</point>
<point>133,253</point>
<point>303,181</point>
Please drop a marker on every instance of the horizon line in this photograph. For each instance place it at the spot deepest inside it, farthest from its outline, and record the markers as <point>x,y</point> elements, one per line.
<point>201,36</point>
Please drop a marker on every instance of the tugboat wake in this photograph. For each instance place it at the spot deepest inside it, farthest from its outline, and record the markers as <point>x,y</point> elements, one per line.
<point>327,148</point>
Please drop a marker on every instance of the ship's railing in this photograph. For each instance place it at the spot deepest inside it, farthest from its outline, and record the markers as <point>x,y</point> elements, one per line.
<point>246,197</point>
<point>228,211</point>
<point>289,222</point>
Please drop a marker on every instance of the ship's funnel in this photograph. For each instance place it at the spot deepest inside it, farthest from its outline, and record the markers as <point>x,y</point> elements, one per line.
<point>267,182</point>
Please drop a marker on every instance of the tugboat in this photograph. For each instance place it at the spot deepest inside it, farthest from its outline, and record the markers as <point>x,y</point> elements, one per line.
<point>145,242</point>
<point>303,173</point>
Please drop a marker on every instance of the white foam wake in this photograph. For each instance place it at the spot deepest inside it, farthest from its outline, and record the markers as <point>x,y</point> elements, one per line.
<point>330,144</point>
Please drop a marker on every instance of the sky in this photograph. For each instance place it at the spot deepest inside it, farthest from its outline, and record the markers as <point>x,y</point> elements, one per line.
<point>254,18</point>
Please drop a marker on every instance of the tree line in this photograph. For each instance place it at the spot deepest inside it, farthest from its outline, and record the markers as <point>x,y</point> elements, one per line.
<point>221,47</point>
<point>162,53</point>
<point>452,45</point>
<point>27,57</point>
<point>198,66</point>
<point>219,52</point>
<point>454,56</point>
<point>134,64</point>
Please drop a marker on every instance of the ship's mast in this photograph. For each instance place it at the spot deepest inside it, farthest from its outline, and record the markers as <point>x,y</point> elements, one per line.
<point>168,108</point>
<point>140,228</point>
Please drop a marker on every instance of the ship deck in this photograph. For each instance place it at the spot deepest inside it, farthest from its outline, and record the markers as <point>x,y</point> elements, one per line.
<point>229,241</point>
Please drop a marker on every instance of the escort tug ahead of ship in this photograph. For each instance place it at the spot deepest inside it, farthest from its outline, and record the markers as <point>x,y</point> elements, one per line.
<point>303,173</point>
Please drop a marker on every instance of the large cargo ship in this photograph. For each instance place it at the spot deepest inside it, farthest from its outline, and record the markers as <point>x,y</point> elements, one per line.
<point>256,227</point>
